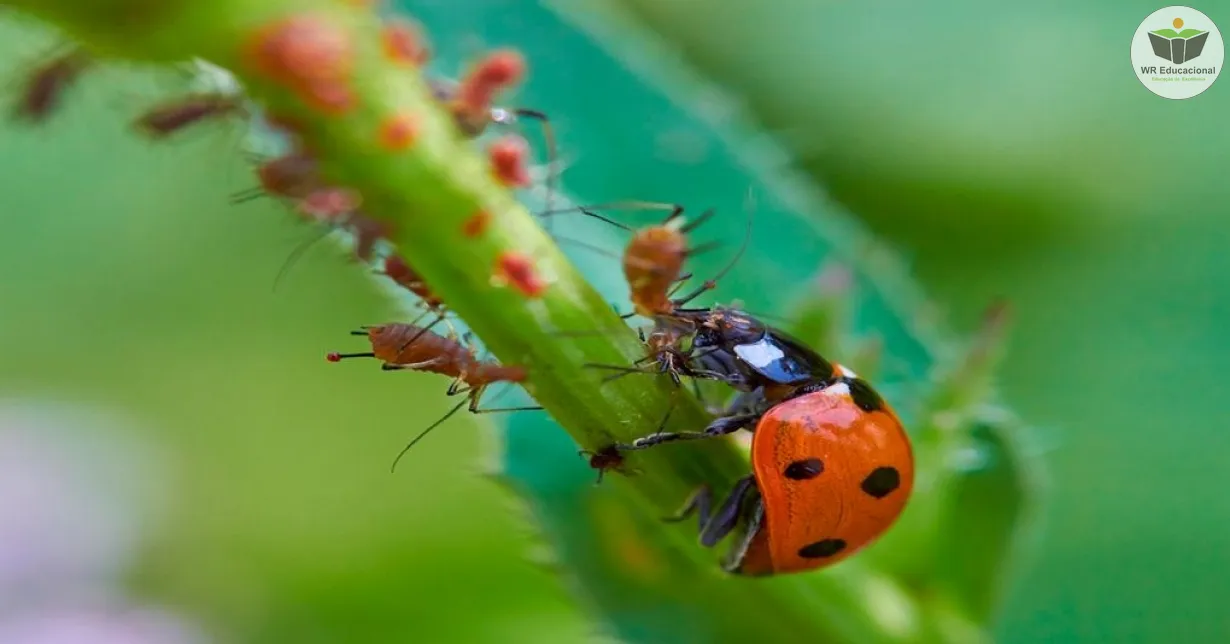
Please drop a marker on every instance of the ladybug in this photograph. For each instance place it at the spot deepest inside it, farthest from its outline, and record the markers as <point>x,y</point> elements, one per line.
<point>832,469</point>
<point>736,348</point>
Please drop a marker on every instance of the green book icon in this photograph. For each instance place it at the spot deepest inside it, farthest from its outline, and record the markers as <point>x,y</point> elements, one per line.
<point>1178,47</point>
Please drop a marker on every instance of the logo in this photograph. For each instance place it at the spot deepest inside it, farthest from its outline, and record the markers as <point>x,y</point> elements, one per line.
<point>1177,52</point>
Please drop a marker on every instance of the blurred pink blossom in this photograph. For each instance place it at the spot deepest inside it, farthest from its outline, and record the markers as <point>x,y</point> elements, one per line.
<point>74,495</point>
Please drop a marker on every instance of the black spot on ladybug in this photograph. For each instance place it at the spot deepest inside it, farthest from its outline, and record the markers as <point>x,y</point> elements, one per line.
<point>881,482</point>
<point>864,395</point>
<point>821,549</point>
<point>808,468</point>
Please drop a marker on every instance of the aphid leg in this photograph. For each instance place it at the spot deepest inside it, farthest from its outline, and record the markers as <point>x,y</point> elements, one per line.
<point>422,331</point>
<point>476,393</point>
<point>727,515</point>
<point>696,390</point>
<point>452,331</point>
<point>456,408</point>
<point>734,558</point>
<point>548,136</point>
<point>699,503</point>
<point>413,366</point>
<point>719,427</point>
<point>622,371</point>
<point>695,223</point>
<point>703,248</point>
<point>246,195</point>
<point>472,401</point>
<point>711,284</point>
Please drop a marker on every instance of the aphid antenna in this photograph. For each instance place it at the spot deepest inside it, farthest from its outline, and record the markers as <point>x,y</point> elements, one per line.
<point>588,211</point>
<point>456,408</point>
<point>711,283</point>
<point>674,209</point>
<point>296,254</point>
<point>548,136</point>
<point>587,246</point>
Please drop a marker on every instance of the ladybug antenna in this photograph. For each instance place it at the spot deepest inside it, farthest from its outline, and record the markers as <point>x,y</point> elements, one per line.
<point>425,432</point>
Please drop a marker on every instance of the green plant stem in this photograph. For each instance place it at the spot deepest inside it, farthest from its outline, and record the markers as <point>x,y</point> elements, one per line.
<point>427,193</point>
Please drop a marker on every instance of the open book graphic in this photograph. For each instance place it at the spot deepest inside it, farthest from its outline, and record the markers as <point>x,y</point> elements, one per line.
<point>1178,47</point>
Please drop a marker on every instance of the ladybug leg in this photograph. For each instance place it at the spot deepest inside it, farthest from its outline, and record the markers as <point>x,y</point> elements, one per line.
<point>734,559</point>
<point>727,516</point>
<point>699,502</point>
<point>719,427</point>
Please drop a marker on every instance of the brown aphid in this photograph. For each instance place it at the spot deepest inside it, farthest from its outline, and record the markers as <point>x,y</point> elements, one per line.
<point>509,161</point>
<point>665,354</point>
<point>518,271</point>
<point>407,346</point>
<point>654,257</point>
<point>398,132</point>
<point>606,459</point>
<point>164,120</point>
<point>473,98</point>
<point>403,42</point>
<point>311,55</point>
<point>653,265</point>
<point>295,175</point>
<point>476,224</point>
<point>471,104</point>
<point>406,277</point>
<point>367,231</point>
<point>46,85</point>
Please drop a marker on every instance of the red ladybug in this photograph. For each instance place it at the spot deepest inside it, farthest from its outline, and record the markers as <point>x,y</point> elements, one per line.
<point>832,471</point>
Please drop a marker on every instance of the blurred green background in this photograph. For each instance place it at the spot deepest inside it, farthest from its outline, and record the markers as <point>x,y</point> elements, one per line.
<point>1040,171</point>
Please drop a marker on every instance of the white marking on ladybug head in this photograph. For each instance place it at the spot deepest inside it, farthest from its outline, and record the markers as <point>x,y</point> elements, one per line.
<point>839,389</point>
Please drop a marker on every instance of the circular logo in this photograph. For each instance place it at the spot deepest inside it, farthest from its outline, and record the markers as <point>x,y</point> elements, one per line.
<point>1177,52</point>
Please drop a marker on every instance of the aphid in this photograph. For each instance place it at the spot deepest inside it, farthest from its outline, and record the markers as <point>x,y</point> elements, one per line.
<point>45,86</point>
<point>472,99</point>
<point>294,175</point>
<point>396,269</point>
<point>406,346</point>
<point>832,469</point>
<point>310,55</point>
<point>606,459</point>
<point>473,122</point>
<point>653,259</point>
<point>653,263</point>
<point>403,42</point>
<point>398,132</point>
<point>508,161</point>
<point>750,355</point>
<point>518,271</point>
<point>167,119</point>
